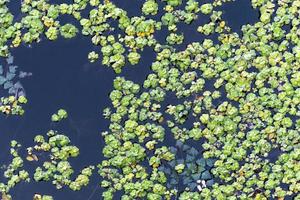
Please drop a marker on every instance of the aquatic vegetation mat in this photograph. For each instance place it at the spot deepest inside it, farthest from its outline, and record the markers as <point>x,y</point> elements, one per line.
<point>235,99</point>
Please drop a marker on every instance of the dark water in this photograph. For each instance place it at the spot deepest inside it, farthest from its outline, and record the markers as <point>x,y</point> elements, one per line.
<point>63,78</point>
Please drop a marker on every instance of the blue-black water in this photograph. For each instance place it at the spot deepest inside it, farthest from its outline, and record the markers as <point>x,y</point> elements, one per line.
<point>63,78</point>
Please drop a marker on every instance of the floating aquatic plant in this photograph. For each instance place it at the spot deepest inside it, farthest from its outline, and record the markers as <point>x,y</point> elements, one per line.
<point>150,7</point>
<point>206,8</point>
<point>12,105</point>
<point>68,31</point>
<point>60,115</point>
<point>57,168</point>
<point>14,172</point>
<point>42,197</point>
<point>51,153</point>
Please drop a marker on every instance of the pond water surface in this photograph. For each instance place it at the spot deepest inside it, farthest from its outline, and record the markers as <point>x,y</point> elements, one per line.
<point>63,78</point>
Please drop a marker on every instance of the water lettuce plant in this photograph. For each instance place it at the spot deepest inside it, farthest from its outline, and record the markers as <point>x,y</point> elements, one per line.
<point>60,115</point>
<point>42,197</point>
<point>68,31</point>
<point>12,105</point>
<point>150,7</point>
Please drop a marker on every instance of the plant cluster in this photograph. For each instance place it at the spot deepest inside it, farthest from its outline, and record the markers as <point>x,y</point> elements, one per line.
<point>58,169</point>
<point>42,197</point>
<point>60,115</point>
<point>13,172</point>
<point>12,105</point>
<point>50,158</point>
